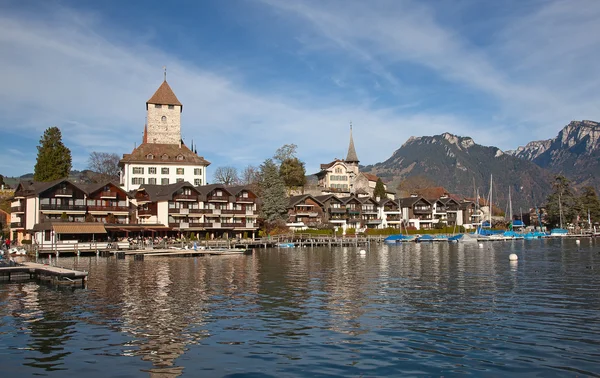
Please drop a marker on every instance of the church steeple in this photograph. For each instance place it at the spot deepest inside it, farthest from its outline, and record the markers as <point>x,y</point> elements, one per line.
<point>351,157</point>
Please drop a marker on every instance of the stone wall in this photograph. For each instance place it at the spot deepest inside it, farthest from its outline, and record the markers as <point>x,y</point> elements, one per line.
<point>165,130</point>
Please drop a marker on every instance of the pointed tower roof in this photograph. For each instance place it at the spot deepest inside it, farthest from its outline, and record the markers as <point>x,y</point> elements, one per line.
<point>164,96</point>
<point>351,158</point>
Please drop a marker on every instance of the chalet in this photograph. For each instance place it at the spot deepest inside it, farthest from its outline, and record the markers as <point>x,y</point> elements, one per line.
<point>304,211</point>
<point>417,212</point>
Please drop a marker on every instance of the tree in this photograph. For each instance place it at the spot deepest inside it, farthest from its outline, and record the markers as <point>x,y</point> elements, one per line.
<point>589,202</point>
<point>1,180</point>
<point>250,175</point>
<point>272,188</point>
<point>292,172</point>
<point>104,165</point>
<point>285,152</point>
<point>379,191</point>
<point>413,183</point>
<point>53,159</point>
<point>562,206</point>
<point>226,176</point>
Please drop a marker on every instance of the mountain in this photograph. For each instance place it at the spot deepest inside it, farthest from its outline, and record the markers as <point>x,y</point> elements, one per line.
<point>461,165</point>
<point>573,153</point>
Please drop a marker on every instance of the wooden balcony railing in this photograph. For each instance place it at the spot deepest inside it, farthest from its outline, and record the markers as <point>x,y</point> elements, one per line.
<point>16,224</point>
<point>63,207</point>
<point>244,199</point>
<point>17,209</point>
<point>108,208</point>
<point>185,197</point>
<point>144,212</point>
<point>108,194</point>
<point>63,193</point>
<point>217,198</point>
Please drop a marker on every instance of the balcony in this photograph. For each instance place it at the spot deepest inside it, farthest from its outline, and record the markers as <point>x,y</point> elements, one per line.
<point>245,225</point>
<point>109,208</point>
<point>337,210</point>
<point>373,221</point>
<point>17,209</point>
<point>58,207</point>
<point>145,213</point>
<point>422,210</point>
<point>185,197</point>
<point>16,225</point>
<point>244,199</point>
<point>179,210</point>
<point>353,211</point>
<point>63,193</point>
<point>142,198</point>
<point>354,220</point>
<point>217,198</point>
<point>181,225</point>
<point>228,211</point>
<point>215,225</point>
<point>229,225</point>
<point>308,214</point>
<point>108,194</point>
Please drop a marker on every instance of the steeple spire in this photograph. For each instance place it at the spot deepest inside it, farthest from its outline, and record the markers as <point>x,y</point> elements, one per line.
<point>351,158</point>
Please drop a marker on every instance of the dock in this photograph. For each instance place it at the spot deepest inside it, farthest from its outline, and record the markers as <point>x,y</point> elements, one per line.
<point>43,272</point>
<point>140,254</point>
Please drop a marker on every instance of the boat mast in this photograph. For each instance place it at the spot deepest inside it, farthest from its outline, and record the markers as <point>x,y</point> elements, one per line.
<point>510,214</point>
<point>560,210</point>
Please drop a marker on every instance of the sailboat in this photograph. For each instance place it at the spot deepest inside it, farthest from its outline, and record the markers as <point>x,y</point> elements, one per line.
<point>511,233</point>
<point>560,232</point>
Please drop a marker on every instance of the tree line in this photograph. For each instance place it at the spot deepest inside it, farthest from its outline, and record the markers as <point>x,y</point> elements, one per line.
<point>564,206</point>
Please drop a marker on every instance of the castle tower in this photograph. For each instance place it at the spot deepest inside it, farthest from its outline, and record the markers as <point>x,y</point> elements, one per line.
<point>164,116</point>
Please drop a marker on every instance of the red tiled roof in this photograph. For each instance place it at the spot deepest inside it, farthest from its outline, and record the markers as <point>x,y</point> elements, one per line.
<point>164,96</point>
<point>163,154</point>
<point>371,177</point>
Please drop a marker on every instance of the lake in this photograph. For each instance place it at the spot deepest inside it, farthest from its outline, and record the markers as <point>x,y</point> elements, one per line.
<point>405,310</point>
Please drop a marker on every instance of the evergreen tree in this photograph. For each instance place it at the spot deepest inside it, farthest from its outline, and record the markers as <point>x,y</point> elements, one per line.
<point>379,190</point>
<point>53,159</point>
<point>292,172</point>
<point>273,194</point>
<point>589,202</point>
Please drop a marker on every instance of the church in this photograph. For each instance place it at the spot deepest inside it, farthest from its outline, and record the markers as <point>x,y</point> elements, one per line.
<point>162,158</point>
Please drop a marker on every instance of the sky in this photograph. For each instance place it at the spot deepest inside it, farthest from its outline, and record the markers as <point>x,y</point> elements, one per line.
<point>256,75</point>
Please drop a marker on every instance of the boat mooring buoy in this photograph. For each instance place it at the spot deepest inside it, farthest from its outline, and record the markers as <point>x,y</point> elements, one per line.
<point>363,252</point>
<point>513,257</point>
<point>577,241</point>
<point>480,245</point>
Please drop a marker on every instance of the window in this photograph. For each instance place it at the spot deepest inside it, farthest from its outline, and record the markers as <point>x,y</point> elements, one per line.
<point>152,170</point>
<point>157,106</point>
<point>179,171</point>
<point>164,171</point>
<point>197,171</point>
<point>165,157</point>
<point>164,181</point>
<point>179,180</point>
<point>171,107</point>
<point>152,181</point>
<point>197,182</point>
<point>150,156</point>
<point>163,118</point>
<point>180,157</point>
<point>138,170</point>
<point>137,180</point>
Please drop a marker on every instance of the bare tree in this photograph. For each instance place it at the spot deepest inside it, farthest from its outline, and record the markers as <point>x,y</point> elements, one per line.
<point>226,176</point>
<point>285,152</point>
<point>250,175</point>
<point>104,165</point>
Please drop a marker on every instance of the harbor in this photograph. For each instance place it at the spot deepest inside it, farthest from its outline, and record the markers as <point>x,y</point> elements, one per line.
<point>42,272</point>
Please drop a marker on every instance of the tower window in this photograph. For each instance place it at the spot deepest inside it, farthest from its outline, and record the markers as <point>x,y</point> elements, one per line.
<point>157,106</point>
<point>163,118</point>
<point>171,107</point>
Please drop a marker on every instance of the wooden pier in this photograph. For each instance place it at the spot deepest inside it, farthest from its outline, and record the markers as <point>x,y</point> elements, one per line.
<point>43,272</point>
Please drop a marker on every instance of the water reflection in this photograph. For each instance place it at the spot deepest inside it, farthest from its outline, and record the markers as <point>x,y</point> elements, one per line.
<point>430,309</point>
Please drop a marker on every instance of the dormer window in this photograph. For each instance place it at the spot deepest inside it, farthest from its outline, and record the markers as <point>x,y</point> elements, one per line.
<point>149,156</point>
<point>165,157</point>
<point>179,157</point>
<point>157,106</point>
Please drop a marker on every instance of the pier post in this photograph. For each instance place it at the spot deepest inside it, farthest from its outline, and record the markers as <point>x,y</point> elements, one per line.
<point>57,254</point>
<point>138,257</point>
<point>78,253</point>
<point>120,255</point>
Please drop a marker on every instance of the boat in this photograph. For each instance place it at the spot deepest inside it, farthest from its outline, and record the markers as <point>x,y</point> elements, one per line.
<point>425,238</point>
<point>17,251</point>
<point>560,231</point>
<point>398,238</point>
<point>286,245</point>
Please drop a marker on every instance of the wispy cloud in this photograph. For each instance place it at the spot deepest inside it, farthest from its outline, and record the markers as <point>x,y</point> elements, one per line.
<point>390,67</point>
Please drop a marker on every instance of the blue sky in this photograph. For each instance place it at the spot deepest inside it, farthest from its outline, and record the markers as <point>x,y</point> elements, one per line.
<point>255,75</point>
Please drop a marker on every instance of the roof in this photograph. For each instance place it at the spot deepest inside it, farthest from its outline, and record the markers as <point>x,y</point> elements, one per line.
<point>294,200</point>
<point>79,228</point>
<point>329,165</point>
<point>165,192</point>
<point>370,177</point>
<point>164,96</point>
<point>434,192</point>
<point>351,157</point>
<point>163,154</point>
<point>410,201</point>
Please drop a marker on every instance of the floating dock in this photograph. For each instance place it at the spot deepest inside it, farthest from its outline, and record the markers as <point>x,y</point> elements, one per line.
<point>43,272</point>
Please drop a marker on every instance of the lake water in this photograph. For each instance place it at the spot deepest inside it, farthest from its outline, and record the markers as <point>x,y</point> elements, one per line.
<point>412,309</point>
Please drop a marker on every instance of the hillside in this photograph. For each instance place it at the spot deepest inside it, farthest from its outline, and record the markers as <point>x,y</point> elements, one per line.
<point>461,165</point>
